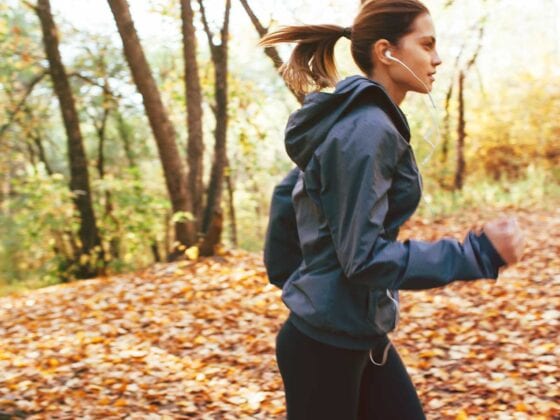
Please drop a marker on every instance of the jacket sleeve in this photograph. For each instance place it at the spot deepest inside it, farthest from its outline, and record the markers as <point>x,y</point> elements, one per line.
<point>282,254</point>
<point>355,172</point>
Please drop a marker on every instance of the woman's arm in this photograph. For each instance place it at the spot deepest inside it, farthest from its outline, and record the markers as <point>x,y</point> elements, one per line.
<point>282,254</point>
<point>355,168</point>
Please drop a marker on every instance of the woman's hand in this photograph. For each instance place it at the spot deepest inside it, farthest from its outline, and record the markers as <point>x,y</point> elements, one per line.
<point>506,237</point>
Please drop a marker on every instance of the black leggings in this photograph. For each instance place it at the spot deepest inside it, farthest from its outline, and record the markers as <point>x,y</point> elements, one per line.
<point>324,382</point>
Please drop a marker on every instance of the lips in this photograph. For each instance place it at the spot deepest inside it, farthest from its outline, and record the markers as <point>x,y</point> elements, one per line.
<point>431,76</point>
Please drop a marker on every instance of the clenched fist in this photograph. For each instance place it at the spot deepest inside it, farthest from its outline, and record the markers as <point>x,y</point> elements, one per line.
<point>506,237</point>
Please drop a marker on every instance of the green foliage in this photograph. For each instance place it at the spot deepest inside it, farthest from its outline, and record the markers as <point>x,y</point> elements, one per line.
<point>535,187</point>
<point>130,220</point>
<point>39,228</point>
<point>256,155</point>
<point>511,146</point>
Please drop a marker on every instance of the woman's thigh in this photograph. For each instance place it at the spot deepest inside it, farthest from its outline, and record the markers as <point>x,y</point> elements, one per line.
<point>320,381</point>
<point>387,392</point>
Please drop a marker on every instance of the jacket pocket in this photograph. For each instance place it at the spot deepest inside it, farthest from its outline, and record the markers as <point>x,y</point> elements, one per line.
<point>383,310</point>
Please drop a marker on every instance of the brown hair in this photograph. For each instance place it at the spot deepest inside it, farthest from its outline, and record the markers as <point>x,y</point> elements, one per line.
<point>311,65</point>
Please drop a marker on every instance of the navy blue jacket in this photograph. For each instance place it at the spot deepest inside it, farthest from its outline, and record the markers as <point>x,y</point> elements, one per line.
<point>331,242</point>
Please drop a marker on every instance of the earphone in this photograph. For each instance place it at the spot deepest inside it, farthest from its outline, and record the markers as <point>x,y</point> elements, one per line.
<point>390,57</point>
<point>434,118</point>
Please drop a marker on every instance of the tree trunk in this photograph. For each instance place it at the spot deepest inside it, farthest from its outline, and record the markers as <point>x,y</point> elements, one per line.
<point>233,222</point>
<point>101,129</point>
<point>215,187</point>
<point>32,157</point>
<point>213,219</point>
<point>5,193</point>
<point>155,251</point>
<point>460,171</point>
<point>36,137</point>
<point>446,125</point>
<point>212,237</point>
<point>173,168</point>
<point>41,150</point>
<point>193,95</point>
<point>124,134</point>
<point>79,177</point>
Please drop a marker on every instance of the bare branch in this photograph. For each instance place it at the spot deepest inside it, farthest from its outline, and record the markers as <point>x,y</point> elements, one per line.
<point>21,103</point>
<point>206,26</point>
<point>271,52</point>
<point>104,86</point>
<point>29,4</point>
<point>256,23</point>
<point>225,26</point>
<point>471,62</point>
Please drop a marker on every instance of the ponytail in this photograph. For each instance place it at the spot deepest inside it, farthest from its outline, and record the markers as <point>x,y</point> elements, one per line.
<point>311,65</point>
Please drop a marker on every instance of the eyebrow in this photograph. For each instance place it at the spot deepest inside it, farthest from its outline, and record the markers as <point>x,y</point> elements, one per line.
<point>431,38</point>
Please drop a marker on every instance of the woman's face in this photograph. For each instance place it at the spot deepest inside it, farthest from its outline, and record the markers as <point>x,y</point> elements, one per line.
<point>418,51</point>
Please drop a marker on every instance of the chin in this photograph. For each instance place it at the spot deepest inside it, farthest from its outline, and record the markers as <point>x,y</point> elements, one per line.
<point>429,85</point>
<point>422,89</point>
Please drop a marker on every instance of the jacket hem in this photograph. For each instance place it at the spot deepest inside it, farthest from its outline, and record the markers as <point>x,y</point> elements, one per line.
<point>334,339</point>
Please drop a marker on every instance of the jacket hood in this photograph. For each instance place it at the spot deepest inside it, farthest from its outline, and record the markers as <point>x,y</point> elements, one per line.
<point>308,126</point>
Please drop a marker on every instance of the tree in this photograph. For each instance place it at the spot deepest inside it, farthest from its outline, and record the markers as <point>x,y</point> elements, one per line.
<point>460,168</point>
<point>213,218</point>
<point>461,134</point>
<point>195,143</point>
<point>90,253</point>
<point>164,133</point>
<point>186,191</point>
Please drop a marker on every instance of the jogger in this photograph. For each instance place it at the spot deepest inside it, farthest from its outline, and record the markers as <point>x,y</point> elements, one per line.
<point>332,243</point>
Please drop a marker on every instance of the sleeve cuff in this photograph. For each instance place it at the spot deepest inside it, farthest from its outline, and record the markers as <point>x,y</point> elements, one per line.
<point>487,248</point>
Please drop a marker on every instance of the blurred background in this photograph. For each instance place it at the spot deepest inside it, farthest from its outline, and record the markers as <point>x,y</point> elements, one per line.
<point>170,138</point>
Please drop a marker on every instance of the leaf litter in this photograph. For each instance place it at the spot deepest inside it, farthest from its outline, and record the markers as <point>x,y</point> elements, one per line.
<point>196,339</point>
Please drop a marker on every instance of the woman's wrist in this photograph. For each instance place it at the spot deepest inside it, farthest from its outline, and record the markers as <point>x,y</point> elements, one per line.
<point>490,250</point>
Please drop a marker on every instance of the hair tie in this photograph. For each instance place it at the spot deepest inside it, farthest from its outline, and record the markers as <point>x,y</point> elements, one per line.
<point>347,32</point>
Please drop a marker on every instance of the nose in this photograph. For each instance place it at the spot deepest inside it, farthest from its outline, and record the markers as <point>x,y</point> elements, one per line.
<point>436,60</point>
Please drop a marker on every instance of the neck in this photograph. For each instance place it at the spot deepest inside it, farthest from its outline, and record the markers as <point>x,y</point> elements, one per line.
<point>396,94</point>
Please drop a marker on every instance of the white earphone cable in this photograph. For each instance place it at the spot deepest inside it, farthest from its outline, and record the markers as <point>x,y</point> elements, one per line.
<point>435,124</point>
<point>432,113</point>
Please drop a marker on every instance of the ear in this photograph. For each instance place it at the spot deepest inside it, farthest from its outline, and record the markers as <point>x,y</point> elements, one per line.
<point>378,50</point>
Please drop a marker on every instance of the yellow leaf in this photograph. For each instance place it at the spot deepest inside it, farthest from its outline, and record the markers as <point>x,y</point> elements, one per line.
<point>220,250</point>
<point>461,415</point>
<point>192,253</point>
<point>104,401</point>
<point>427,353</point>
<point>521,407</point>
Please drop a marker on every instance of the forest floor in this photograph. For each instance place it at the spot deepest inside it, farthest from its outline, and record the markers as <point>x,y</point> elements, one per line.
<point>196,339</point>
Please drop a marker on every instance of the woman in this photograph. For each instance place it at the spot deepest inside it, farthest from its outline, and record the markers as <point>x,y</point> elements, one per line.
<point>332,241</point>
